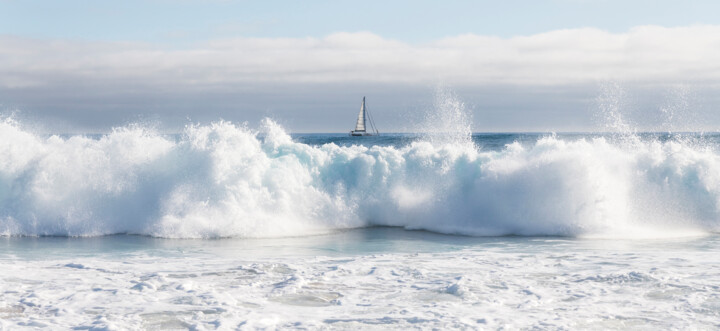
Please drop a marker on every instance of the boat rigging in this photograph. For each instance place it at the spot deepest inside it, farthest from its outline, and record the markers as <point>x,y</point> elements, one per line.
<point>363,119</point>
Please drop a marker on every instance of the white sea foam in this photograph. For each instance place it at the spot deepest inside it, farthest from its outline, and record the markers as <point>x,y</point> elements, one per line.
<point>396,281</point>
<point>227,180</point>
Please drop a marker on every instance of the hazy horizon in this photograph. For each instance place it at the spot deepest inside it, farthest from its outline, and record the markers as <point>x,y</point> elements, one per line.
<point>516,67</point>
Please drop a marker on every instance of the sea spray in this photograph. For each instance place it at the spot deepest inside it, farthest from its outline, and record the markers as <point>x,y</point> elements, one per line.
<point>447,121</point>
<point>611,103</point>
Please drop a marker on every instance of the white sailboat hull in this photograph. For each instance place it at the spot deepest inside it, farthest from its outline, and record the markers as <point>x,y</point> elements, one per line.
<point>360,134</point>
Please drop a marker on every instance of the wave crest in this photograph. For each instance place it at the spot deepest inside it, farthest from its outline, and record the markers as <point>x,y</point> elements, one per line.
<point>227,180</point>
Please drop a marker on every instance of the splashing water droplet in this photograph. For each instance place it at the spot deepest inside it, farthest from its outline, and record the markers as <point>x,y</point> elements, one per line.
<point>677,110</point>
<point>448,122</point>
<point>611,103</point>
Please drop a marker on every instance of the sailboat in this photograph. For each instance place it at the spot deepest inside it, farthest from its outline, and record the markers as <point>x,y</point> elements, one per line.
<point>360,126</point>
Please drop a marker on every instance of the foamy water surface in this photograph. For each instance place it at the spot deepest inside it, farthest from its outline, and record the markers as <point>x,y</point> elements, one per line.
<point>385,278</point>
<point>224,226</point>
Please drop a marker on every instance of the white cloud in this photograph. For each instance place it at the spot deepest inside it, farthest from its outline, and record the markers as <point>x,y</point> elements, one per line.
<point>541,82</point>
<point>646,54</point>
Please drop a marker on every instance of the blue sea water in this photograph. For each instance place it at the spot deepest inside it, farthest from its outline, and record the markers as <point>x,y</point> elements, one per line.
<point>497,141</point>
<point>224,226</point>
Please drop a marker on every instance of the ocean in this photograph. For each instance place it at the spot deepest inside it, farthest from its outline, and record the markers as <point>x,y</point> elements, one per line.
<point>226,226</point>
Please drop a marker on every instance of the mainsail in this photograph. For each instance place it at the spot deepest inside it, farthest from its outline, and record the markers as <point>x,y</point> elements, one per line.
<point>360,127</point>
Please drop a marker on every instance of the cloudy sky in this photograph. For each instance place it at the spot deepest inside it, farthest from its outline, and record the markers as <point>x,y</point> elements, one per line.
<point>86,66</point>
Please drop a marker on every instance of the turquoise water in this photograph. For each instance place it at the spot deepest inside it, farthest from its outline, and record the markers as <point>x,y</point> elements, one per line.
<point>374,240</point>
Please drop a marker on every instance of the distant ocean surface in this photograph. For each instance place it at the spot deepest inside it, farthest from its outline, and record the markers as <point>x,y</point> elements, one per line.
<point>224,226</point>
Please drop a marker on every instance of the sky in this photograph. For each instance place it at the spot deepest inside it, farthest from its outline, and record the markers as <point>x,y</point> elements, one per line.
<point>88,66</point>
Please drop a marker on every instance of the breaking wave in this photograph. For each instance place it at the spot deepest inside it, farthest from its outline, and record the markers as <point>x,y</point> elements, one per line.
<point>227,180</point>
